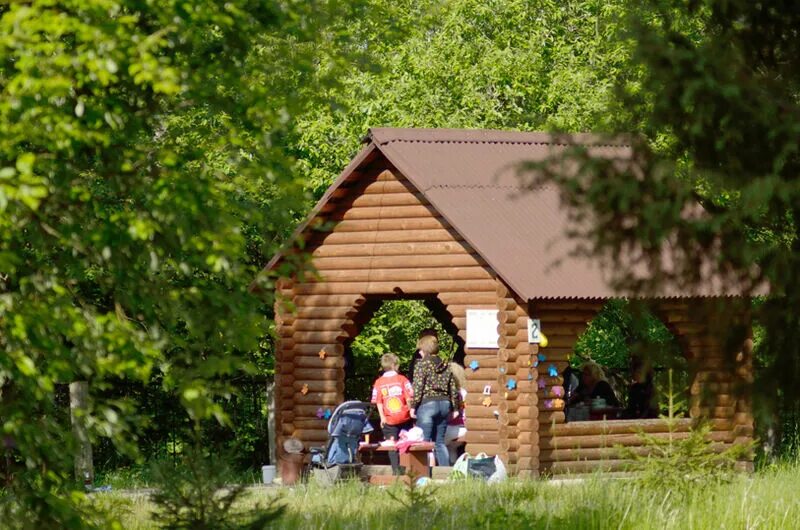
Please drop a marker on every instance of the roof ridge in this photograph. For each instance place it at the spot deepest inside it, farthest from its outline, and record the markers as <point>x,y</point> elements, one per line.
<point>509,142</point>
<point>487,186</point>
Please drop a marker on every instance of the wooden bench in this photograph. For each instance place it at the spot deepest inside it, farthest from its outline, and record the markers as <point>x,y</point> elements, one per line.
<point>415,461</point>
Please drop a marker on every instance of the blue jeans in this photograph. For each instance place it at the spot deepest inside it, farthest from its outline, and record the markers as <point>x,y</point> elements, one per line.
<point>432,418</point>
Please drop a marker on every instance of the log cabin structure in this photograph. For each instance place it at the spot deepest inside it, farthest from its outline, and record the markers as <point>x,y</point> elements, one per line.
<point>440,215</point>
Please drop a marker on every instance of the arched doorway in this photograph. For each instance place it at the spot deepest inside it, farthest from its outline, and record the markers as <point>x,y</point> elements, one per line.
<point>392,324</point>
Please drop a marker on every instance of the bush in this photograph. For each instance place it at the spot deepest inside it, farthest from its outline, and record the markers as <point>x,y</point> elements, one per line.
<point>195,495</point>
<point>678,465</point>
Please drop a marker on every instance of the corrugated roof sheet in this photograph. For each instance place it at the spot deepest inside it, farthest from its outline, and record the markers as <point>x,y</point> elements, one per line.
<point>471,178</point>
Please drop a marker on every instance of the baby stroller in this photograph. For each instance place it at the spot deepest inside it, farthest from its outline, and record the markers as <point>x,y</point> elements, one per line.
<point>338,459</point>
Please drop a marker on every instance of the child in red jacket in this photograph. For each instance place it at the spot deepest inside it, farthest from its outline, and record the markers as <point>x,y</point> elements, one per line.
<point>392,393</point>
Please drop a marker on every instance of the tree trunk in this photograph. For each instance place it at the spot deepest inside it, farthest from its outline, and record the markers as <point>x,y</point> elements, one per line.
<point>271,434</point>
<point>79,406</point>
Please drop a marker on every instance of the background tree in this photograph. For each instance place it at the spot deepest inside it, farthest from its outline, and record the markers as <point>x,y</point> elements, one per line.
<point>719,116</point>
<point>507,64</point>
<point>140,149</point>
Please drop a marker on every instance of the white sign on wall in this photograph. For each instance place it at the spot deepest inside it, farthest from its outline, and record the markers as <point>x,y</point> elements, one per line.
<point>534,330</point>
<point>482,328</point>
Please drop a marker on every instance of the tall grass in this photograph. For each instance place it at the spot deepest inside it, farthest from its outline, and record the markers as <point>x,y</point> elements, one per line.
<point>768,499</point>
<point>141,476</point>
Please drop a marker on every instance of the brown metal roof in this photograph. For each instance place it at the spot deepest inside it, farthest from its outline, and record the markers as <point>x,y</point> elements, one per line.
<point>471,178</point>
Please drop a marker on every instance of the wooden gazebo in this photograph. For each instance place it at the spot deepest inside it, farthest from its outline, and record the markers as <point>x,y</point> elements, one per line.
<point>440,215</point>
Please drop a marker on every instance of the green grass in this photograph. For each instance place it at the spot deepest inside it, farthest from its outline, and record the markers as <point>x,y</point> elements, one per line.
<point>141,476</point>
<point>768,499</point>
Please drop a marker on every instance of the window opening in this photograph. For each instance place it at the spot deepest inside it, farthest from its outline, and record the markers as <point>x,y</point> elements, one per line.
<point>620,367</point>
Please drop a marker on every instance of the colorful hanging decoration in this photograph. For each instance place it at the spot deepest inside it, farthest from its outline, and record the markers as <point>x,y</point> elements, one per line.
<point>322,353</point>
<point>541,357</point>
<point>304,390</point>
<point>541,384</point>
<point>320,413</point>
<point>535,363</point>
<point>542,340</point>
<point>530,376</point>
<point>502,369</point>
<point>552,371</point>
<point>327,414</point>
<point>505,395</point>
<point>558,391</point>
<point>474,366</point>
<point>487,390</point>
<point>548,403</point>
<point>487,401</point>
<point>511,384</point>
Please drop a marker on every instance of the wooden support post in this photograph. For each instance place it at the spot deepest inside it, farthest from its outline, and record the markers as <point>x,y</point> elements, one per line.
<point>79,407</point>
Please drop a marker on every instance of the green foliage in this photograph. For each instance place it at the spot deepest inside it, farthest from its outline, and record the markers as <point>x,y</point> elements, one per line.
<point>195,495</point>
<point>121,477</point>
<point>395,328</point>
<point>141,476</point>
<point>414,496</point>
<point>677,465</point>
<point>142,180</point>
<point>621,329</point>
<point>144,176</point>
<point>506,64</point>
<point>76,512</point>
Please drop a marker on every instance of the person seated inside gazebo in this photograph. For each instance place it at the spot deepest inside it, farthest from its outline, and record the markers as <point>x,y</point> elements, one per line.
<point>641,392</point>
<point>594,385</point>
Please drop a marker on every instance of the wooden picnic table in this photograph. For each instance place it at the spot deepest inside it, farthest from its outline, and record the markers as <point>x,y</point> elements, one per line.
<point>415,461</point>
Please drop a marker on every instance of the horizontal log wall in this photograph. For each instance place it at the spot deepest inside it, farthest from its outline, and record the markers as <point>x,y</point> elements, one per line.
<point>720,369</point>
<point>588,446</point>
<point>517,403</point>
<point>384,240</point>
<point>283,407</point>
<point>716,336</point>
<point>562,322</point>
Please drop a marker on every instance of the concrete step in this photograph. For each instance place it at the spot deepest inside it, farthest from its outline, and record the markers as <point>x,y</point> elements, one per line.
<point>439,472</point>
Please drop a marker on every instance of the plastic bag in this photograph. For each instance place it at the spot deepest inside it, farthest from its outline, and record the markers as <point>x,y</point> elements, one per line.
<point>460,466</point>
<point>414,434</point>
<point>481,467</point>
<point>477,466</point>
<point>500,472</point>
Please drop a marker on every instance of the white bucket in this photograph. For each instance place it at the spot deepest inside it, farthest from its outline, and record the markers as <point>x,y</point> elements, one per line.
<point>268,474</point>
